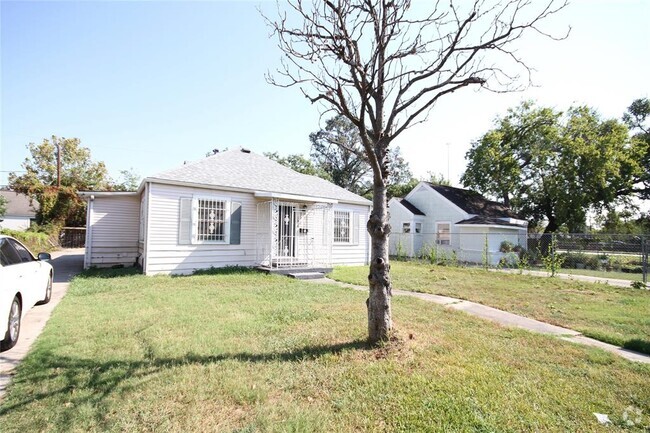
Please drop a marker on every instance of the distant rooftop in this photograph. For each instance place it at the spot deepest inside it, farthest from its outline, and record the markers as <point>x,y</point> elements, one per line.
<point>19,205</point>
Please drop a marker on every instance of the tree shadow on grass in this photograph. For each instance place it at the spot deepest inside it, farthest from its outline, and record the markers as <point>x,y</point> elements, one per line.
<point>116,272</point>
<point>87,381</point>
<point>638,345</point>
<point>225,270</point>
<point>134,270</point>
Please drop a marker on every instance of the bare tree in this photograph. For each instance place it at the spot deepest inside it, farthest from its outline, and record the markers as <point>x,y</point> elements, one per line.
<point>384,65</point>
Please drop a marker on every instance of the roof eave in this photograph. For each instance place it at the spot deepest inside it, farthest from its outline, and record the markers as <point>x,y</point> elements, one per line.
<point>493,226</point>
<point>87,194</point>
<point>363,202</point>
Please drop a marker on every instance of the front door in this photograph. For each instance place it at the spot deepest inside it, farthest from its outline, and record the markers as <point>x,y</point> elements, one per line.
<point>287,231</point>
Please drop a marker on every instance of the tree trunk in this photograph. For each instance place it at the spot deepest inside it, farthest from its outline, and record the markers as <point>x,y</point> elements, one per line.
<point>379,300</point>
<point>552,226</point>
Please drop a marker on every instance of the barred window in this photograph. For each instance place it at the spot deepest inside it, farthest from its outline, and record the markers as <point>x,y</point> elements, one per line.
<point>211,220</point>
<point>341,226</point>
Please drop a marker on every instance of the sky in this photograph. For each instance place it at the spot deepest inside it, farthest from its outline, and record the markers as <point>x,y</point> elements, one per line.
<point>147,85</point>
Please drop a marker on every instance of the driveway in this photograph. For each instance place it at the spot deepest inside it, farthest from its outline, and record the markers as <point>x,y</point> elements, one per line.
<point>67,263</point>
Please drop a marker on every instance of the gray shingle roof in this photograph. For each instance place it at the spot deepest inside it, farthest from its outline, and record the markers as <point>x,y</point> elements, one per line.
<point>488,221</point>
<point>474,203</point>
<point>410,207</point>
<point>250,171</point>
<point>19,205</point>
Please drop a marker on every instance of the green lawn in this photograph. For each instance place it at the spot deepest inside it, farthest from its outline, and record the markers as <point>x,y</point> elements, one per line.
<point>600,274</point>
<point>244,352</point>
<point>615,315</point>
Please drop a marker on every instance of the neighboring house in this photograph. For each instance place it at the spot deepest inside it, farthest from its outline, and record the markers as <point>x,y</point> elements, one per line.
<point>21,211</point>
<point>232,208</point>
<point>453,221</point>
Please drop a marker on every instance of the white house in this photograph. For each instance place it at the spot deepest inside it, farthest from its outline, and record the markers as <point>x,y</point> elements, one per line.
<point>20,212</point>
<point>453,221</point>
<point>232,208</point>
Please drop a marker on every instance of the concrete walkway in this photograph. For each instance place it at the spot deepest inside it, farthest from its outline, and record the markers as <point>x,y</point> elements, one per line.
<point>67,263</point>
<point>507,319</point>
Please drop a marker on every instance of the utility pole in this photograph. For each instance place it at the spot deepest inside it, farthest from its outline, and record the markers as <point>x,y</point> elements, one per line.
<point>448,177</point>
<point>58,164</point>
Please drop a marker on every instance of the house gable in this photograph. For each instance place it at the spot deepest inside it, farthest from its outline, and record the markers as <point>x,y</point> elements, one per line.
<point>435,206</point>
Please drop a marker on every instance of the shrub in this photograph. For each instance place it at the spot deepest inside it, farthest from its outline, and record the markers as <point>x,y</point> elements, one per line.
<point>632,269</point>
<point>401,252</point>
<point>35,241</point>
<point>510,260</point>
<point>507,247</point>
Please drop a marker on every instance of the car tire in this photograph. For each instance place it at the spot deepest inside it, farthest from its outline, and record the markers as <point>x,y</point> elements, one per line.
<point>13,328</point>
<point>48,292</point>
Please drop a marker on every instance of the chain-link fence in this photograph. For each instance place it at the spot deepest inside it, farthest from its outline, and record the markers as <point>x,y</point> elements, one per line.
<point>599,255</point>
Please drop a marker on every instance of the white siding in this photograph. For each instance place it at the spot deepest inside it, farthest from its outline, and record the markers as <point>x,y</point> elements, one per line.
<point>436,208</point>
<point>472,244</point>
<point>113,222</point>
<point>351,254</point>
<point>400,242</point>
<point>166,256</point>
<point>15,223</point>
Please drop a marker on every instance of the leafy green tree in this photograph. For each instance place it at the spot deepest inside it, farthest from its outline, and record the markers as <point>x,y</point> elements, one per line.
<point>636,117</point>
<point>298,163</point>
<point>437,179</point>
<point>3,206</point>
<point>402,189</point>
<point>337,150</point>
<point>129,180</point>
<point>554,167</point>
<point>624,222</point>
<point>60,205</point>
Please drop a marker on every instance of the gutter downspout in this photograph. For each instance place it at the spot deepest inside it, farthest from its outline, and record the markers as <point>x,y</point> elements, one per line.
<point>147,214</point>
<point>89,233</point>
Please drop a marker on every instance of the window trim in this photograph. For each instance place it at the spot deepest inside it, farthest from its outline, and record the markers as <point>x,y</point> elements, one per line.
<point>438,223</point>
<point>350,227</point>
<point>195,219</point>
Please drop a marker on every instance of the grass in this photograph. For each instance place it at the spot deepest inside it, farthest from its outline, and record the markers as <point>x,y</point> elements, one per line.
<point>615,315</point>
<point>243,352</point>
<point>600,274</point>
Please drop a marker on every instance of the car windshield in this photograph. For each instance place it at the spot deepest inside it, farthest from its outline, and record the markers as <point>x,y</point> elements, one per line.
<point>25,255</point>
<point>8,254</point>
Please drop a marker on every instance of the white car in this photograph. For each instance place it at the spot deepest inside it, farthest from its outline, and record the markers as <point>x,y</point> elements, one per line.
<point>25,281</point>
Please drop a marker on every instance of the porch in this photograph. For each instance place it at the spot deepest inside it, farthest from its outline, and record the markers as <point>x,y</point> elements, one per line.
<point>294,236</point>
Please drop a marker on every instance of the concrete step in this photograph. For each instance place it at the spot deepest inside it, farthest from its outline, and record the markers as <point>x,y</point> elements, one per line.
<point>306,275</point>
